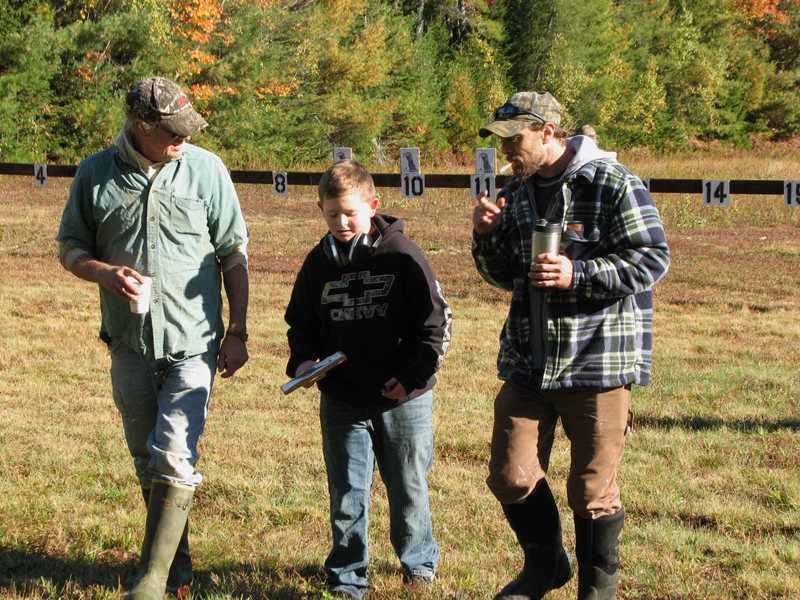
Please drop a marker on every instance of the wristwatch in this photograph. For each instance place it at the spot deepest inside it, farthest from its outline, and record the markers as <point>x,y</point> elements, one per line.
<point>242,335</point>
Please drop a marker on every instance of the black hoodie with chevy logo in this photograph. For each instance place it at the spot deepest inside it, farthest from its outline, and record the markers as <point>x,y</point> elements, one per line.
<point>387,314</point>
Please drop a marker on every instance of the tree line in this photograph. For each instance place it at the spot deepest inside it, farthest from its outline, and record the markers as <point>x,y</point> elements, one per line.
<point>283,81</point>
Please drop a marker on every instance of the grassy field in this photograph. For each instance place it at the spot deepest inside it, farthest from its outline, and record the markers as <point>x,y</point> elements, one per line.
<point>711,477</point>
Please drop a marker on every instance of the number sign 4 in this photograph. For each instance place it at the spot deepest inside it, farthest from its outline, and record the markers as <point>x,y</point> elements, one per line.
<point>40,175</point>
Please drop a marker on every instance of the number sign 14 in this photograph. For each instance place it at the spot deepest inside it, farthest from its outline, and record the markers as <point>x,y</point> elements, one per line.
<point>716,192</point>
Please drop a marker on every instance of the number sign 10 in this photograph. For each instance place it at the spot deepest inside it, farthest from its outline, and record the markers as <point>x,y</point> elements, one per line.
<point>412,185</point>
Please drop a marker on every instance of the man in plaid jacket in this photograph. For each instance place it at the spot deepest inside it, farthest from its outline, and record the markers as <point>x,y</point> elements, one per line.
<point>578,335</point>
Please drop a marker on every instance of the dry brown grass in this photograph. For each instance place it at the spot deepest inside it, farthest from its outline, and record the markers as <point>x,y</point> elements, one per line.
<point>710,477</point>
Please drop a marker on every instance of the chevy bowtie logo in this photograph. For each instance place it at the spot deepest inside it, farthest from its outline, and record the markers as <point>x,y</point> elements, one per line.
<point>356,293</point>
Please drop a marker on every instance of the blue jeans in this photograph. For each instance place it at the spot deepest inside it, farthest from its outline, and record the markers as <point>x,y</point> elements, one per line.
<point>163,405</point>
<point>400,440</point>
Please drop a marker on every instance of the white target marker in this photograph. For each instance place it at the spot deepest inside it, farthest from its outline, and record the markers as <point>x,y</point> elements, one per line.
<point>40,175</point>
<point>716,192</point>
<point>791,193</point>
<point>280,183</point>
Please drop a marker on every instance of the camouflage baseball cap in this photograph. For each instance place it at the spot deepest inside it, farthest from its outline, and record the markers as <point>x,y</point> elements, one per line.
<point>520,110</point>
<point>159,99</point>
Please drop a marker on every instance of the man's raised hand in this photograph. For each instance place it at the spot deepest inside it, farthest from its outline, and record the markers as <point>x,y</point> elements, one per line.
<point>487,215</point>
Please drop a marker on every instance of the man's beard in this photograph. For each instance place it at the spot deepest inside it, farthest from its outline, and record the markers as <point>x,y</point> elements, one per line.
<point>525,167</point>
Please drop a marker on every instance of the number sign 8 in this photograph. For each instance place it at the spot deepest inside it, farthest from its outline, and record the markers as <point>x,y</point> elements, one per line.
<point>280,183</point>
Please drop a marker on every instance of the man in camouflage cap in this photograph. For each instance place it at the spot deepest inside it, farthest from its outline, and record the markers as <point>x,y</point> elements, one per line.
<point>156,99</point>
<point>577,336</point>
<point>520,110</point>
<point>154,209</point>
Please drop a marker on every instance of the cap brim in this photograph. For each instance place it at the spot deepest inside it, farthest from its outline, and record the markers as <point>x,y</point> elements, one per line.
<point>185,123</point>
<point>505,128</point>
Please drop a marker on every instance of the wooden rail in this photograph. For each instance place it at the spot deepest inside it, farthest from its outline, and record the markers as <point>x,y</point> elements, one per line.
<point>432,180</point>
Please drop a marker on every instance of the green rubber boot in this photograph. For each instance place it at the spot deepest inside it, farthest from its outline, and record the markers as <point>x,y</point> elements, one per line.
<point>180,573</point>
<point>167,514</point>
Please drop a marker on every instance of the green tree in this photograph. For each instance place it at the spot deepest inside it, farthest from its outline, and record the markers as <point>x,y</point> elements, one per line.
<point>529,31</point>
<point>30,60</point>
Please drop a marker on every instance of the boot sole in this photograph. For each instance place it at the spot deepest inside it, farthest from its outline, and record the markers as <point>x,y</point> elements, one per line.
<point>560,580</point>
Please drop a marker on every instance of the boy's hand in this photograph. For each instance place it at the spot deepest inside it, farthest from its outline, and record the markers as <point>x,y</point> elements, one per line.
<point>393,390</point>
<point>305,366</point>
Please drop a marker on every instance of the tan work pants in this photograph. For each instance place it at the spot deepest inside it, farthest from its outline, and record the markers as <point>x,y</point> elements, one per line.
<point>595,421</point>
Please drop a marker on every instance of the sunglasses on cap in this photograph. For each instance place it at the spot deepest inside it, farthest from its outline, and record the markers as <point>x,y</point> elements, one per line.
<point>509,111</point>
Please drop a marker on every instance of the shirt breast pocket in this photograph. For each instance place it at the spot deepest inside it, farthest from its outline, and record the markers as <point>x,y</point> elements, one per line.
<point>582,240</point>
<point>188,216</point>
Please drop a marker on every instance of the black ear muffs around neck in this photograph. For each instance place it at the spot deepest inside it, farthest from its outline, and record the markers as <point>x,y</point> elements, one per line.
<point>354,253</point>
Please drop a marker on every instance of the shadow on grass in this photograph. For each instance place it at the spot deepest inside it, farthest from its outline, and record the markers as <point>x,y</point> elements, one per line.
<point>700,521</point>
<point>710,423</point>
<point>26,572</point>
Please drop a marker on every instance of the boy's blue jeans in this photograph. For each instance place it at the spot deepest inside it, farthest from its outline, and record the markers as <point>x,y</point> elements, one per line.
<point>400,440</point>
<point>163,405</point>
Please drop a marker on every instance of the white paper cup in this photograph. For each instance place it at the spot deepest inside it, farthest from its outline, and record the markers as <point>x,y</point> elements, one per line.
<point>142,304</point>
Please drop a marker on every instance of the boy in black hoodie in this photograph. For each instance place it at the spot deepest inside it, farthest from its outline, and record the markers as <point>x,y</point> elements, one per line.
<point>366,290</point>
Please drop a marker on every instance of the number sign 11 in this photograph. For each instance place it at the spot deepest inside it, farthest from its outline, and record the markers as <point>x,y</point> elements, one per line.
<point>480,183</point>
<point>716,192</point>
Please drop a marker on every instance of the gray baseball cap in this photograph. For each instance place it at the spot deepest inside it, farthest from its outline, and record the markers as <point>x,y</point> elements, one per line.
<point>159,99</point>
<point>520,110</point>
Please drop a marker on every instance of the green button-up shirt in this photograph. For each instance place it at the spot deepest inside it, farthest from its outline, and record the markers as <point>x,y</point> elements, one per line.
<point>174,229</point>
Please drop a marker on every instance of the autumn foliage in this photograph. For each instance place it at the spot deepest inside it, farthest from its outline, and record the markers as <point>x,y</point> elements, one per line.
<point>284,82</point>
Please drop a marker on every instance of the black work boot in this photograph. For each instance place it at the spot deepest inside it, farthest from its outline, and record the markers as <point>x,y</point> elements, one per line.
<point>548,566</point>
<point>167,514</point>
<point>597,549</point>
<point>180,573</point>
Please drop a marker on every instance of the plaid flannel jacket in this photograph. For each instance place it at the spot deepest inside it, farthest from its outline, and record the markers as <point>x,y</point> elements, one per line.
<point>599,333</point>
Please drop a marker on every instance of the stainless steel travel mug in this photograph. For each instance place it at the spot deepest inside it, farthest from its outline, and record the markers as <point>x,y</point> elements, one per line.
<point>546,238</point>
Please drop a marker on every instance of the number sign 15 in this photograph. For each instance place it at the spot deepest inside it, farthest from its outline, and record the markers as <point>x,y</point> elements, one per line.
<point>791,193</point>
